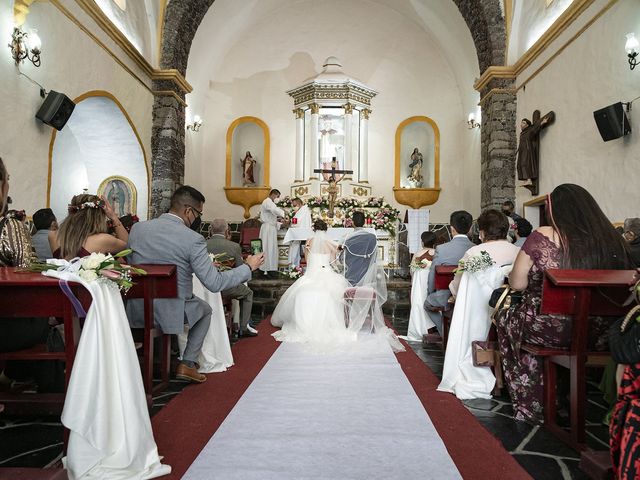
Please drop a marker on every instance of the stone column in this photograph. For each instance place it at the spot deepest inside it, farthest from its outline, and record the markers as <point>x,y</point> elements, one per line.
<point>313,141</point>
<point>167,148</point>
<point>498,143</point>
<point>299,170</point>
<point>363,170</point>
<point>348,155</point>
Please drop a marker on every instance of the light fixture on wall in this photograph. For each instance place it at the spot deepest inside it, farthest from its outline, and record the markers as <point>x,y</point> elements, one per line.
<point>471,122</point>
<point>633,48</point>
<point>197,123</point>
<point>25,45</point>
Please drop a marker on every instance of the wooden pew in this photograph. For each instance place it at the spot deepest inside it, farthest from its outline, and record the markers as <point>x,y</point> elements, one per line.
<point>27,294</point>
<point>580,294</point>
<point>443,277</point>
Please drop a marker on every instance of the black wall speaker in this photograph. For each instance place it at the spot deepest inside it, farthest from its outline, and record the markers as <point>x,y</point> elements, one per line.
<point>612,122</point>
<point>56,110</point>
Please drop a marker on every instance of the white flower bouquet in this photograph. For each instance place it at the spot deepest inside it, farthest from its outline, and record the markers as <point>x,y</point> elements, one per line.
<point>420,264</point>
<point>477,263</point>
<point>293,273</point>
<point>97,266</point>
<point>222,261</point>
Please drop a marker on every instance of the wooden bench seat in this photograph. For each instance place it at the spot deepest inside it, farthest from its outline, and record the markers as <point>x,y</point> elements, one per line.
<point>579,294</point>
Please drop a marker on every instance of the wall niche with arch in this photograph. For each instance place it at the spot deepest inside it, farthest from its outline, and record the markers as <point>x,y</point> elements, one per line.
<point>417,162</point>
<point>247,147</point>
<point>98,142</point>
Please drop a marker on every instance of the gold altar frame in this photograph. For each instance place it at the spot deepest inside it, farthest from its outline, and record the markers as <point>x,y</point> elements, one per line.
<point>247,197</point>
<point>417,197</point>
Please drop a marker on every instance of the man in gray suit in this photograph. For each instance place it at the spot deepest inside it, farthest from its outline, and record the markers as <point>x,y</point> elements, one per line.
<point>172,238</point>
<point>220,243</point>
<point>447,254</point>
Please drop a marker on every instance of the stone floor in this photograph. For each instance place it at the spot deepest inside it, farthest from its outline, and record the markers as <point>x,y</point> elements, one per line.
<point>37,442</point>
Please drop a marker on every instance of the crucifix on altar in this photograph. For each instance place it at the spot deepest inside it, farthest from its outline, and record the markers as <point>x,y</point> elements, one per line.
<point>332,176</point>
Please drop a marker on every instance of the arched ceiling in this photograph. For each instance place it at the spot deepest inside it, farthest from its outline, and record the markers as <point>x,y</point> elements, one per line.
<point>227,22</point>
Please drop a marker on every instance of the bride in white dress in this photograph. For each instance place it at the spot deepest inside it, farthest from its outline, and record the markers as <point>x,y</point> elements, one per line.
<point>312,309</point>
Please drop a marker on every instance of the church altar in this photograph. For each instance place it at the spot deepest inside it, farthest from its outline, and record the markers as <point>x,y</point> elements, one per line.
<point>380,218</point>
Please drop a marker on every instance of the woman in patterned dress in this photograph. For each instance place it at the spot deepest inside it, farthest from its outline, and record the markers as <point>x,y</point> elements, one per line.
<point>580,236</point>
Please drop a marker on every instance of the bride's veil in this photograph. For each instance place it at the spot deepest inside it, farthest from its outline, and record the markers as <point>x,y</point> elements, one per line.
<point>367,296</point>
<point>321,243</point>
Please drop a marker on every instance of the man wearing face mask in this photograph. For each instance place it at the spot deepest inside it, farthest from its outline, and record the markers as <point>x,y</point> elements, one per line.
<point>172,238</point>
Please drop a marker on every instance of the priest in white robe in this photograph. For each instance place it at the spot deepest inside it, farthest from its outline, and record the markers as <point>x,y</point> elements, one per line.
<point>301,219</point>
<point>269,214</point>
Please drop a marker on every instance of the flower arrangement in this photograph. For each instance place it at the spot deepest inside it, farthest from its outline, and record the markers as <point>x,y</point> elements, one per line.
<point>477,263</point>
<point>378,214</point>
<point>293,273</point>
<point>222,261</point>
<point>95,267</point>
<point>419,264</point>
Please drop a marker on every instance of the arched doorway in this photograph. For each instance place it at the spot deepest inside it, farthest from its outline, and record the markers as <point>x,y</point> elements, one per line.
<point>98,143</point>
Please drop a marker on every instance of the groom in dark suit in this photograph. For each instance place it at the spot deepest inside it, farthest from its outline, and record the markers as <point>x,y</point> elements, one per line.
<point>447,254</point>
<point>360,251</point>
<point>173,238</point>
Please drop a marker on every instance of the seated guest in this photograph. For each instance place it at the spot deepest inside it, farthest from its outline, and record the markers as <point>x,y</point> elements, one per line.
<point>508,208</point>
<point>360,249</point>
<point>523,230</point>
<point>631,233</point>
<point>16,251</point>
<point>428,247</point>
<point>220,243</point>
<point>447,254</point>
<point>172,239</point>
<point>580,237</point>
<point>494,228</point>
<point>46,226</point>
<point>471,319</point>
<point>84,231</point>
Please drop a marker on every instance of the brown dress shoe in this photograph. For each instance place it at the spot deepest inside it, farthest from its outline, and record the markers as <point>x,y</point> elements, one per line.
<point>189,374</point>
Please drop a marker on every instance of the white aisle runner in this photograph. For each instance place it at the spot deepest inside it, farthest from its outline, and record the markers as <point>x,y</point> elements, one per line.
<point>348,414</point>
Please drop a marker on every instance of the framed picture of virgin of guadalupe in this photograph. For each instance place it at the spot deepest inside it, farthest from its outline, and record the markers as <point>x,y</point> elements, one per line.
<point>121,194</point>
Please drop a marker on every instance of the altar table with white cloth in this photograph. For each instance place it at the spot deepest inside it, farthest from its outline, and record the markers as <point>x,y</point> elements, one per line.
<point>337,234</point>
<point>215,355</point>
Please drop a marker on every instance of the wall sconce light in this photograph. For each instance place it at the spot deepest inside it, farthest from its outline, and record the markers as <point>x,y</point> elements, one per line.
<point>633,48</point>
<point>471,122</point>
<point>197,123</point>
<point>25,45</point>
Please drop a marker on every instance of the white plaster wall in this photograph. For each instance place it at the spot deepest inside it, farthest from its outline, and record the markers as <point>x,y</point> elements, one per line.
<point>589,74</point>
<point>244,59</point>
<point>139,23</point>
<point>71,63</point>
<point>531,18</point>
<point>96,143</point>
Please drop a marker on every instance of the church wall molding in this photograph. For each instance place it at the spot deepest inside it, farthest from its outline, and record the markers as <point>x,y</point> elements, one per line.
<point>564,21</point>
<point>173,76</point>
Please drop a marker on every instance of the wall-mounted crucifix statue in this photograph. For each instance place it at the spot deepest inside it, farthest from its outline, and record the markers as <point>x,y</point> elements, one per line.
<point>529,149</point>
<point>333,176</point>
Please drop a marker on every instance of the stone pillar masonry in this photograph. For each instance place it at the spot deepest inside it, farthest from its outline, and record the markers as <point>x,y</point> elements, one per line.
<point>498,143</point>
<point>348,162</point>
<point>167,149</point>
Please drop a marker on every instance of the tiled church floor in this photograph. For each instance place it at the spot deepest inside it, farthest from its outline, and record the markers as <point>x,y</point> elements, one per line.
<point>37,442</point>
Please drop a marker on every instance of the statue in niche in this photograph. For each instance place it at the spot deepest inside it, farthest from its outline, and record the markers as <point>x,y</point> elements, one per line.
<point>415,169</point>
<point>247,169</point>
<point>529,149</point>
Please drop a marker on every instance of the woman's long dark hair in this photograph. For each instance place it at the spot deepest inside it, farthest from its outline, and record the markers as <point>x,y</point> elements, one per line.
<point>588,239</point>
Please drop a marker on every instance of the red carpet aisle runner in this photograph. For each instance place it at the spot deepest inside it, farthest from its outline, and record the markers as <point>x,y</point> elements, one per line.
<point>184,426</point>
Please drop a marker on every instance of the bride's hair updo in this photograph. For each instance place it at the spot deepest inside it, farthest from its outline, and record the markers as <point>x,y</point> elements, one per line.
<point>320,225</point>
<point>86,217</point>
